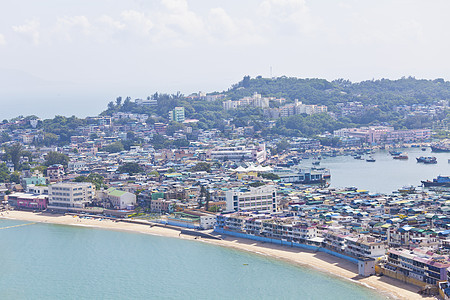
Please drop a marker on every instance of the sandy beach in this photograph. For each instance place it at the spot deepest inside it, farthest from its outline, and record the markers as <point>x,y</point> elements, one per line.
<point>319,261</point>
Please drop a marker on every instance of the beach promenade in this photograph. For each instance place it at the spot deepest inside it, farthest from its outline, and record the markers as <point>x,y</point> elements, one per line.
<point>319,261</point>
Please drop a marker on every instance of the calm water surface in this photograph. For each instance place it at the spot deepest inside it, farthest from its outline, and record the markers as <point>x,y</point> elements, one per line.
<point>386,174</point>
<point>44,261</point>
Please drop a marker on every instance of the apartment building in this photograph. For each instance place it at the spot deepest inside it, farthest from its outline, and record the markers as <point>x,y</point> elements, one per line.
<point>421,265</point>
<point>239,153</point>
<point>70,195</point>
<point>261,199</point>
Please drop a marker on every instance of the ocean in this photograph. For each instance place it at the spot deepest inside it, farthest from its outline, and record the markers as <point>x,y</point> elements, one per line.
<point>46,261</point>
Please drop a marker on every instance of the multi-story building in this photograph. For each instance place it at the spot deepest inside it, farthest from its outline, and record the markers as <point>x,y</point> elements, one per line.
<point>177,114</point>
<point>384,134</point>
<point>239,153</point>
<point>119,199</point>
<point>70,195</point>
<point>28,201</point>
<point>261,199</point>
<point>419,264</point>
<point>55,173</point>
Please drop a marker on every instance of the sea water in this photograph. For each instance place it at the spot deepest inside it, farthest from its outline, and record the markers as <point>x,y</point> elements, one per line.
<point>386,174</point>
<point>46,261</point>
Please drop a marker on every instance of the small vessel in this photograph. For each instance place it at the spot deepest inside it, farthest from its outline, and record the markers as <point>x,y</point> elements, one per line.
<point>357,157</point>
<point>316,163</point>
<point>427,159</point>
<point>401,156</point>
<point>395,153</point>
<point>407,189</point>
<point>424,149</point>
<point>439,181</point>
<point>443,146</point>
<point>370,159</point>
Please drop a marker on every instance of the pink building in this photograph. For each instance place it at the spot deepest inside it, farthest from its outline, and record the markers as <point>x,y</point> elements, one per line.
<point>384,134</point>
<point>28,201</point>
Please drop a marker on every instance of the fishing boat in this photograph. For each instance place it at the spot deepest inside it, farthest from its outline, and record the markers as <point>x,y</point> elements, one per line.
<point>443,146</point>
<point>316,163</point>
<point>424,149</point>
<point>395,153</point>
<point>407,189</point>
<point>357,157</point>
<point>427,159</point>
<point>370,159</point>
<point>439,181</point>
<point>401,156</point>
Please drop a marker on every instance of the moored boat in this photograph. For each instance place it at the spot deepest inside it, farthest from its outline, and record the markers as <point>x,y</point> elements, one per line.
<point>401,156</point>
<point>427,159</point>
<point>439,181</point>
<point>395,153</point>
<point>407,189</point>
<point>443,146</point>
<point>370,159</point>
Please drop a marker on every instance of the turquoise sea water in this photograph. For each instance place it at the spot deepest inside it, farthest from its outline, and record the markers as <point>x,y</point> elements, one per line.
<point>45,261</point>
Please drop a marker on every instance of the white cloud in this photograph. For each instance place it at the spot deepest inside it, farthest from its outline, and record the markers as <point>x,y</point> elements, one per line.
<point>71,26</point>
<point>137,22</point>
<point>285,14</point>
<point>2,40</point>
<point>111,22</point>
<point>178,21</point>
<point>29,30</point>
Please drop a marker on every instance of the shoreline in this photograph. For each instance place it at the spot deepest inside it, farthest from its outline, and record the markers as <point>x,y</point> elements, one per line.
<point>318,261</point>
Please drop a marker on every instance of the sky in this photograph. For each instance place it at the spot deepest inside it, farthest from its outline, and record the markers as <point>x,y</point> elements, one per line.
<point>72,57</point>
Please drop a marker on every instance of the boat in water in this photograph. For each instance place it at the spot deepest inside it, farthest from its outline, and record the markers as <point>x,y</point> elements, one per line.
<point>407,189</point>
<point>443,146</point>
<point>395,153</point>
<point>370,159</point>
<point>439,181</point>
<point>401,156</point>
<point>427,159</point>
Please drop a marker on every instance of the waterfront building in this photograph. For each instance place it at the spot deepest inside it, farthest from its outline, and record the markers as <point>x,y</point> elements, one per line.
<point>28,201</point>
<point>305,175</point>
<point>119,199</point>
<point>70,195</point>
<point>420,266</point>
<point>261,199</point>
<point>384,134</point>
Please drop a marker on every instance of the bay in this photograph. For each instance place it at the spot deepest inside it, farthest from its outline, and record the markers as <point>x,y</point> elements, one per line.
<point>386,174</point>
<point>45,261</point>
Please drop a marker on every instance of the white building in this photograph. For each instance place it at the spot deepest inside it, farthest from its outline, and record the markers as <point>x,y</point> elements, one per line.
<point>207,221</point>
<point>239,153</point>
<point>261,199</point>
<point>70,195</point>
<point>120,199</point>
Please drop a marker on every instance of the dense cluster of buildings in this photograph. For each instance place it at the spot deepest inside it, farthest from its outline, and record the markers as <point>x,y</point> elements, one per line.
<point>384,134</point>
<point>238,186</point>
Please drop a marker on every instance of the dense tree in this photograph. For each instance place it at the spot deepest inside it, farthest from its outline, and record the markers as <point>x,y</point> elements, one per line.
<point>201,166</point>
<point>4,173</point>
<point>114,147</point>
<point>93,178</point>
<point>130,168</point>
<point>58,158</point>
<point>14,154</point>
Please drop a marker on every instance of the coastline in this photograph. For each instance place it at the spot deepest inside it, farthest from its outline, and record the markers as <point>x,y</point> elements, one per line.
<point>316,260</point>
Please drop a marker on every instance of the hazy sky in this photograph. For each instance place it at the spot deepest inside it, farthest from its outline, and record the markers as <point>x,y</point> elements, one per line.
<point>73,56</point>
